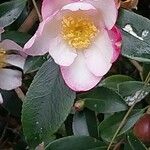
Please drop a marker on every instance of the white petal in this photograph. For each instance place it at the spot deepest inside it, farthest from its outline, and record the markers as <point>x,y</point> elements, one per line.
<point>10,79</point>
<point>51,6</point>
<point>61,52</point>
<point>40,42</point>
<point>99,55</point>
<point>78,77</point>
<point>107,9</point>
<point>78,6</point>
<point>16,60</point>
<point>10,45</point>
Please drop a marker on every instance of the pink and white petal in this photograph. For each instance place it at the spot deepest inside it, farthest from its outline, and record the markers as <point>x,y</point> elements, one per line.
<point>15,60</point>
<point>1,99</point>
<point>78,6</point>
<point>40,42</point>
<point>62,53</point>
<point>10,45</point>
<point>48,7</point>
<point>107,9</point>
<point>51,6</point>
<point>35,45</point>
<point>91,13</point>
<point>78,77</point>
<point>116,38</point>
<point>10,79</point>
<point>99,55</point>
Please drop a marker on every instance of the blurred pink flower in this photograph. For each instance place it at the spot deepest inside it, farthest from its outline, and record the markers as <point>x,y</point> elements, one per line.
<point>81,37</point>
<point>10,55</point>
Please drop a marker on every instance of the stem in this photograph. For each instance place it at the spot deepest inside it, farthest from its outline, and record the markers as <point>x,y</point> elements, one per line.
<point>147,80</point>
<point>148,110</point>
<point>20,94</point>
<point>29,21</point>
<point>3,134</point>
<point>37,10</point>
<point>138,67</point>
<point>121,125</point>
<point>117,145</point>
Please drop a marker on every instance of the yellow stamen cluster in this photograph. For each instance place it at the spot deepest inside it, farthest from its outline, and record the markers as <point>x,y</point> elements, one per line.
<point>78,31</point>
<point>2,58</point>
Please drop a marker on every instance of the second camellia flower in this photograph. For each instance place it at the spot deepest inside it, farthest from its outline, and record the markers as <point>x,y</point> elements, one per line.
<point>12,61</point>
<point>81,38</point>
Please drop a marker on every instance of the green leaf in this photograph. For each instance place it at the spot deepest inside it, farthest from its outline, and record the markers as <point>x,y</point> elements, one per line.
<point>135,115</point>
<point>10,11</point>
<point>34,63</point>
<point>104,100</point>
<point>18,37</point>
<point>133,91</point>
<point>47,104</point>
<point>79,124</point>
<point>112,81</point>
<point>127,88</point>
<point>75,143</point>
<point>135,143</point>
<point>99,148</point>
<point>127,147</point>
<point>108,127</point>
<point>84,123</point>
<point>92,122</point>
<point>135,47</point>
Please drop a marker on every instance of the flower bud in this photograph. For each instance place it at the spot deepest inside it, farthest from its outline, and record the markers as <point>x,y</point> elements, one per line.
<point>79,105</point>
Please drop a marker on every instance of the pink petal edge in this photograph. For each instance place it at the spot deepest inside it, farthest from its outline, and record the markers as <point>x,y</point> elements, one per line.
<point>51,6</point>
<point>116,38</point>
<point>39,43</point>
<point>78,77</point>
<point>108,10</point>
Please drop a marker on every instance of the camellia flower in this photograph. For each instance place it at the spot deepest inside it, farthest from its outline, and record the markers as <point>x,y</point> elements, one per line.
<point>11,64</point>
<point>81,37</point>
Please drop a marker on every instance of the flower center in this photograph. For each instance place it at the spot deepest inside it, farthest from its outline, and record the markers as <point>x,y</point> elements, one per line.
<point>78,31</point>
<point>2,58</point>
